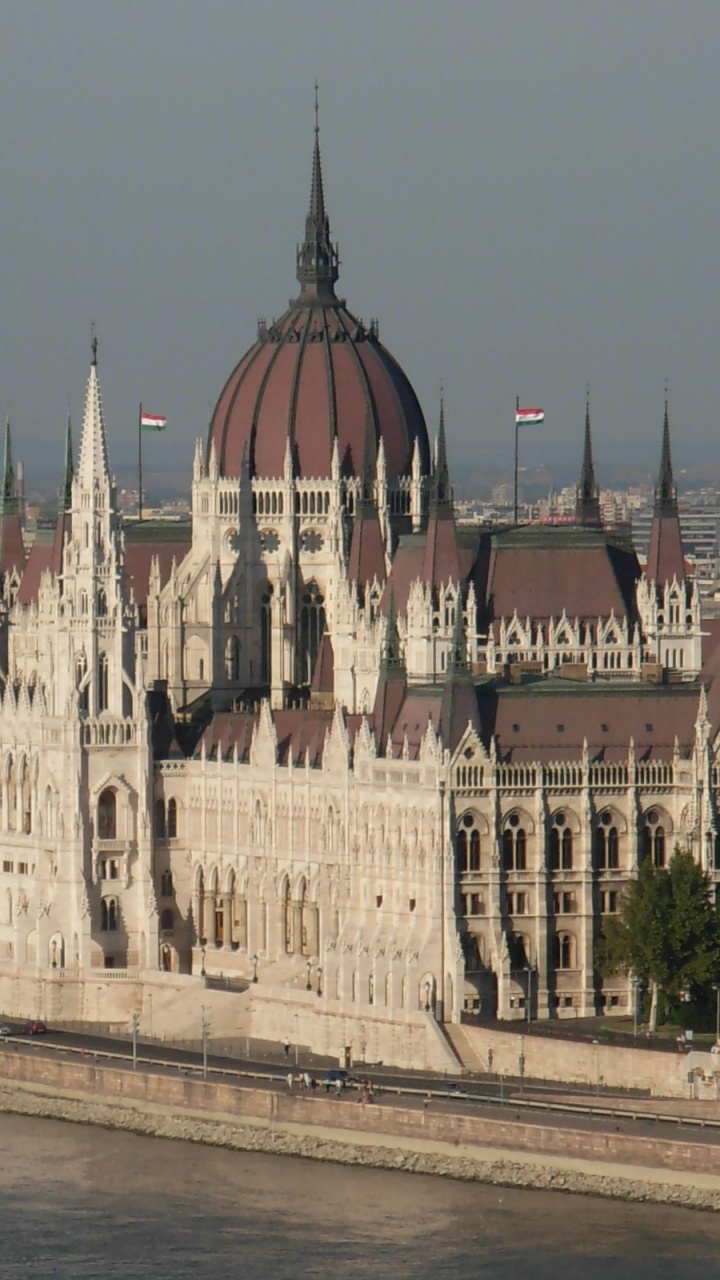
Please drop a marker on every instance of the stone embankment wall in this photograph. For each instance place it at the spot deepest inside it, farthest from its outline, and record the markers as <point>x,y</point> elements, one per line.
<point>503,1151</point>
<point>596,1065</point>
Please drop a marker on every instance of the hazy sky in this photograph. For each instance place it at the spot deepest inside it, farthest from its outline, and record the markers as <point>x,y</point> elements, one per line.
<point>525,192</point>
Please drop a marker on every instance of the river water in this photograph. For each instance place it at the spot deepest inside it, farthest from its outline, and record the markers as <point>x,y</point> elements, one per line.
<point>79,1202</point>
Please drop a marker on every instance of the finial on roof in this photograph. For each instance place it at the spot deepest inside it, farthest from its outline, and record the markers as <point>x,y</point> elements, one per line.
<point>317,256</point>
<point>440,493</point>
<point>93,343</point>
<point>391,658</point>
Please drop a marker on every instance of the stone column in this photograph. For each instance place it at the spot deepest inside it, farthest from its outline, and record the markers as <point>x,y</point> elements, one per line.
<point>210,932</point>
<point>297,928</point>
<point>226,904</point>
<point>241,909</point>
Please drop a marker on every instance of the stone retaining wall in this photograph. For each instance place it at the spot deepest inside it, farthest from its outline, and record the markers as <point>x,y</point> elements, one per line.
<point>504,1150</point>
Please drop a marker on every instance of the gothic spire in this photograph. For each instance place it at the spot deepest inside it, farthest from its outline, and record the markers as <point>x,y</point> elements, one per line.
<point>8,493</point>
<point>65,491</point>
<point>317,256</point>
<point>666,559</point>
<point>440,492</point>
<point>93,466</point>
<point>587,498</point>
<point>665,493</point>
<point>391,658</point>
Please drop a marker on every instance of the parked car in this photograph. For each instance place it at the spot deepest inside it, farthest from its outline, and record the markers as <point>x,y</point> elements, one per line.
<point>6,1031</point>
<point>34,1029</point>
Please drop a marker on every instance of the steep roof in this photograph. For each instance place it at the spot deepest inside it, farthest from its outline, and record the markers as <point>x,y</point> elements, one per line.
<point>542,571</point>
<point>543,722</point>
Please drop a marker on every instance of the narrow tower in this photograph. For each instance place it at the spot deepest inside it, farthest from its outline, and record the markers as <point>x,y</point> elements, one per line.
<point>587,498</point>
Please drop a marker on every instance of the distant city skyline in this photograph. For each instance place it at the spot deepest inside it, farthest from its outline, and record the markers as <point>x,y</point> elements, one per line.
<point>524,195</point>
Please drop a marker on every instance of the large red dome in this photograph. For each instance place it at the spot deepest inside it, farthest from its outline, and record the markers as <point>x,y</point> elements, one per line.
<point>314,376</point>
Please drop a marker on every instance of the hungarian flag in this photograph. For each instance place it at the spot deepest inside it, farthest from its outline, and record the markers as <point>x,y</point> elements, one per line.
<point>529,417</point>
<point>152,421</point>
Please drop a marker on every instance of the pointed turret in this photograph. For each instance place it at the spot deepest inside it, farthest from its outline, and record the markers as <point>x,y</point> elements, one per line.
<point>392,680</point>
<point>367,555</point>
<point>441,562</point>
<point>12,549</point>
<point>587,498</point>
<point>65,490</point>
<point>317,256</point>
<point>8,492</point>
<point>459,702</point>
<point>665,555</point>
<point>93,467</point>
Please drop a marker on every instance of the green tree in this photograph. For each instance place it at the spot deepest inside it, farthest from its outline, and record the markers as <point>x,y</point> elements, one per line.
<point>666,932</point>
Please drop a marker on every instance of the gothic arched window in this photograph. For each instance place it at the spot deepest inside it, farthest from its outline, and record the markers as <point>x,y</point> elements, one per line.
<point>107,815</point>
<point>103,668</point>
<point>232,658</point>
<point>654,838</point>
<point>514,845</point>
<point>468,844</point>
<point>172,818</point>
<point>266,635</point>
<point>312,629</point>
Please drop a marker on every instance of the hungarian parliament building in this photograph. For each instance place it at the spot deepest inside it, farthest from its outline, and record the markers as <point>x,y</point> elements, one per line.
<point>323,735</point>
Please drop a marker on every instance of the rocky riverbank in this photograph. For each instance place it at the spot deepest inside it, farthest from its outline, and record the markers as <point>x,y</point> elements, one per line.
<point>498,1171</point>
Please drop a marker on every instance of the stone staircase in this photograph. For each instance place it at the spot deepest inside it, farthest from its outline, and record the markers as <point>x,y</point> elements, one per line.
<point>471,1061</point>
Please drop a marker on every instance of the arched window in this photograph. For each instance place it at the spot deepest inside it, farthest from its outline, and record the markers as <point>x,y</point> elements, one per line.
<point>107,815</point>
<point>312,629</point>
<point>101,604</point>
<point>167,920</point>
<point>514,845</point>
<point>563,951</point>
<point>561,843</point>
<point>166,884</point>
<point>160,819</point>
<point>109,915</point>
<point>82,688</point>
<point>172,818</point>
<point>654,838</point>
<point>232,658</point>
<point>606,843</point>
<point>468,845</point>
<point>103,682</point>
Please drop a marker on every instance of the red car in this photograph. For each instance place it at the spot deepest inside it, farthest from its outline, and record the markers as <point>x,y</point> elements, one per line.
<point>34,1029</point>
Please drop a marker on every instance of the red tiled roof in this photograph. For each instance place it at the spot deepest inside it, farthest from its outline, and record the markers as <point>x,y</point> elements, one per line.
<point>542,725</point>
<point>665,559</point>
<point>541,573</point>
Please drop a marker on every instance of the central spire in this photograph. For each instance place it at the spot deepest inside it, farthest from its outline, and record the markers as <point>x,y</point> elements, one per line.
<point>317,256</point>
<point>666,493</point>
<point>587,500</point>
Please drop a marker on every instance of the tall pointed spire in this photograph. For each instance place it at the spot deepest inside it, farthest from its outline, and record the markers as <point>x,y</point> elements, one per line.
<point>317,256</point>
<point>587,498</point>
<point>8,492</point>
<point>441,559</point>
<point>666,493</point>
<point>65,491</point>
<point>665,554</point>
<point>93,466</point>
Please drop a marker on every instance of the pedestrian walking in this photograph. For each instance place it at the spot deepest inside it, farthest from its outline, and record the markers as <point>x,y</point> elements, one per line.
<point>289,1080</point>
<point>491,1058</point>
<point>286,1047</point>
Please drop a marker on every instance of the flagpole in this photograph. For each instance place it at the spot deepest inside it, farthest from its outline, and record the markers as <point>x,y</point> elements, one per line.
<point>140,462</point>
<point>517,410</point>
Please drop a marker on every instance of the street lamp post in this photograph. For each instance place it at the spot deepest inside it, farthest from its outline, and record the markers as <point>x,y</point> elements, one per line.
<point>528,998</point>
<point>319,978</point>
<point>255,965</point>
<point>203,944</point>
<point>308,970</point>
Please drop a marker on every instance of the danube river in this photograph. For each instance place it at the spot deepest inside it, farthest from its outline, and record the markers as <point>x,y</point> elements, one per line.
<point>79,1202</point>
